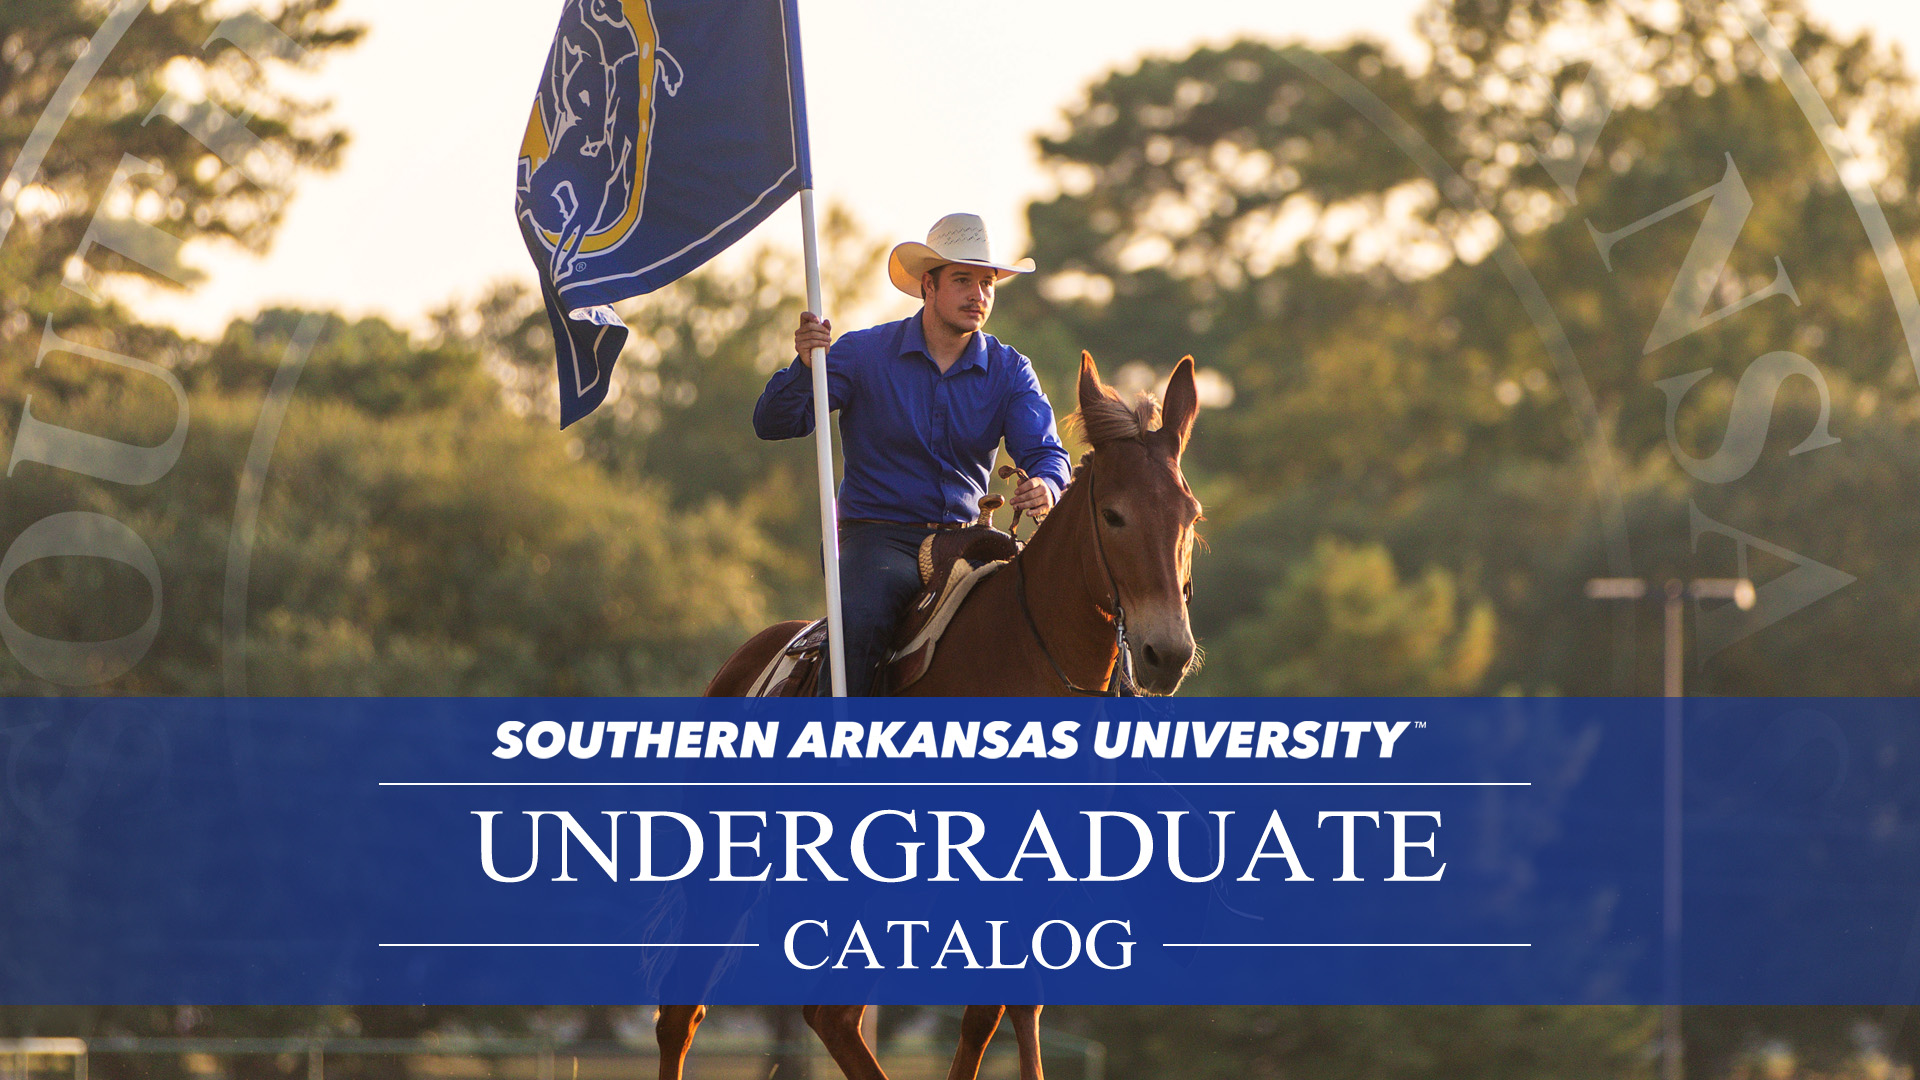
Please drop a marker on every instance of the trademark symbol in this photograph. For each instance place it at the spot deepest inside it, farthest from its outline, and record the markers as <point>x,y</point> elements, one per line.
<point>1419,724</point>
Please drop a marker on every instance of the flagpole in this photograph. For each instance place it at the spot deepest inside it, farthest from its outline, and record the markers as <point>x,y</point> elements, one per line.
<point>823,453</point>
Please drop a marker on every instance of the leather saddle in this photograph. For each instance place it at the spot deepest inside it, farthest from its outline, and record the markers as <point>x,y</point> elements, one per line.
<point>951,564</point>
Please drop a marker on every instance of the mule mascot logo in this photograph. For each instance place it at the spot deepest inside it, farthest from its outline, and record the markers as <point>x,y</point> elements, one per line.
<point>583,162</point>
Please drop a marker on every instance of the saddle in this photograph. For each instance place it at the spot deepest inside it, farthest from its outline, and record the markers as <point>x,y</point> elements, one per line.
<point>952,563</point>
<point>795,671</point>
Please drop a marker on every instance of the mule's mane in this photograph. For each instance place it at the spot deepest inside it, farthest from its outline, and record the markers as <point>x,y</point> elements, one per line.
<point>1110,420</point>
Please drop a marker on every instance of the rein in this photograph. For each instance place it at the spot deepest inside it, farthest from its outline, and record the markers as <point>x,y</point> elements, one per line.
<point>1120,683</point>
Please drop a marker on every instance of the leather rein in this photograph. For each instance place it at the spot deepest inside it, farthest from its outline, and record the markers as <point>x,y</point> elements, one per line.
<point>1120,683</point>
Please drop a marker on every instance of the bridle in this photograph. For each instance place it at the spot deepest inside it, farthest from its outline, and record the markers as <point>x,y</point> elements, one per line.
<point>1120,683</point>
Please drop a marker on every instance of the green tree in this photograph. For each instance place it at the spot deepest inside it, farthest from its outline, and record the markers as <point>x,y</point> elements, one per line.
<point>414,534</point>
<point>187,132</point>
<point>679,414</point>
<point>187,111</point>
<point>413,537</point>
<point>1344,623</point>
<point>1241,204</point>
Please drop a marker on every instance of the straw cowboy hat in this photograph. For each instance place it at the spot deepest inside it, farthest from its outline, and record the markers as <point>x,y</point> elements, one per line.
<point>956,238</point>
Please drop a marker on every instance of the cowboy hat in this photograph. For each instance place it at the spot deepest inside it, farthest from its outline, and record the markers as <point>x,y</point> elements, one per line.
<point>956,238</point>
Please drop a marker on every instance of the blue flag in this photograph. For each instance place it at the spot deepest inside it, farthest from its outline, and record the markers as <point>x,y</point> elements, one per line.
<point>663,131</point>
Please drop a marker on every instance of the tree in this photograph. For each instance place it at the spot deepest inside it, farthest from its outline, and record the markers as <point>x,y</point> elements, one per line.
<point>1345,624</point>
<point>1393,388</point>
<point>1319,228</point>
<point>413,537</point>
<point>679,413</point>
<point>184,134</point>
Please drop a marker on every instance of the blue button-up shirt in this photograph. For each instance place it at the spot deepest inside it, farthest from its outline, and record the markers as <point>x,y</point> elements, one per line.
<point>919,443</point>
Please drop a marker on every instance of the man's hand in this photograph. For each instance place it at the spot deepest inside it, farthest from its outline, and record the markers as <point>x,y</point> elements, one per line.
<point>1034,496</point>
<point>814,333</point>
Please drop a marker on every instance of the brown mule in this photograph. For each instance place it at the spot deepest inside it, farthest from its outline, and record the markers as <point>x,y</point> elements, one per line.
<point>1112,562</point>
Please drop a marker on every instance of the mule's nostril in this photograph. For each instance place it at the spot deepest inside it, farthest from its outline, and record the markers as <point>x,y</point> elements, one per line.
<point>1152,657</point>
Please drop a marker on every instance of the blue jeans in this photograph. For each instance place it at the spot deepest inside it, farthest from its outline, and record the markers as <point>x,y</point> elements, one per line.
<point>879,577</point>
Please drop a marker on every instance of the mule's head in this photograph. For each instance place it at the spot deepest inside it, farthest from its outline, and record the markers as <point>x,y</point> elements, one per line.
<point>1143,516</point>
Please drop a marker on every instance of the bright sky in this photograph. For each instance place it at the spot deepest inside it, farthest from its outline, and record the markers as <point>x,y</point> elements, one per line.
<point>917,109</point>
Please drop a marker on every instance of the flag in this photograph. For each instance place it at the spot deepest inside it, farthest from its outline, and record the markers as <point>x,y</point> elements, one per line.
<point>663,131</point>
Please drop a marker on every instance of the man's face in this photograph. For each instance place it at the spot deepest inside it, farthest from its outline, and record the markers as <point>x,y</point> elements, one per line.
<point>959,296</point>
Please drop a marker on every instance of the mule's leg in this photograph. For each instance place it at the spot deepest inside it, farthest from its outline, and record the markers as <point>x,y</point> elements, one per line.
<point>839,1028</point>
<point>976,1031</point>
<point>674,1029</point>
<point>1026,1028</point>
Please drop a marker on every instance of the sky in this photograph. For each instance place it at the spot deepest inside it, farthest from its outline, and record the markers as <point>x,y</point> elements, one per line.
<point>916,109</point>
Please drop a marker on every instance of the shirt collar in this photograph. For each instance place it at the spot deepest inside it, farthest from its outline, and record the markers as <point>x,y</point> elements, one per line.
<point>915,341</point>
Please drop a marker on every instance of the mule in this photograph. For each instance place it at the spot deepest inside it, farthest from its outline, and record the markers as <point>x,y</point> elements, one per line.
<point>1096,602</point>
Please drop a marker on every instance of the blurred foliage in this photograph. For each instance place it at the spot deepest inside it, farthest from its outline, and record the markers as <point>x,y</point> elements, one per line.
<point>422,526</point>
<point>188,130</point>
<point>1345,623</point>
<point>1367,1043</point>
<point>679,410</point>
<point>1362,290</point>
<point>413,536</point>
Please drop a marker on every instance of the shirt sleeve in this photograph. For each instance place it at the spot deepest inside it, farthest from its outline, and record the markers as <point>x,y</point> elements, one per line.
<point>1032,441</point>
<point>785,408</point>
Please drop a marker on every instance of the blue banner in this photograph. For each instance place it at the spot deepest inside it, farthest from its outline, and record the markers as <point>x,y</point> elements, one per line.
<point>662,132</point>
<point>1113,851</point>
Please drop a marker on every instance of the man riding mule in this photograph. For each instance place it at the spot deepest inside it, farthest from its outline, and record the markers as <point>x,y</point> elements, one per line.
<point>1096,601</point>
<point>1109,572</point>
<point>1100,588</point>
<point>924,404</point>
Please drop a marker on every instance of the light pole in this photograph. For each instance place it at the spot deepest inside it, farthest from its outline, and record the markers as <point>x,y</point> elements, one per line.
<point>1740,591</point>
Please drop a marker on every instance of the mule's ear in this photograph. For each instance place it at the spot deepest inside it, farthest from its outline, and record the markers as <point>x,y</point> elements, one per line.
<point>1181,406</point>
<point>1092,390</point>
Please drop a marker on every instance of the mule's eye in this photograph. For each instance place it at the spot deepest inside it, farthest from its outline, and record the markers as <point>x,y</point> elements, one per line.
<point>1186,591</point>
<point>1113,520</point>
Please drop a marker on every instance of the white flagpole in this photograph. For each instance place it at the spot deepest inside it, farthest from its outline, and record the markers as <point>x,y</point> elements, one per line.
<point>823,446</point>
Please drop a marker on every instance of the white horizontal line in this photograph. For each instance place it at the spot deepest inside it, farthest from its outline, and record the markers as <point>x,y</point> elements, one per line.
<point>956,783</point>
<point>569,944</point>
<point>1348,944</point>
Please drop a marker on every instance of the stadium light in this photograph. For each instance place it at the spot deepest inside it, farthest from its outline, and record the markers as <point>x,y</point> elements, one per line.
<point>1741,592</point>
